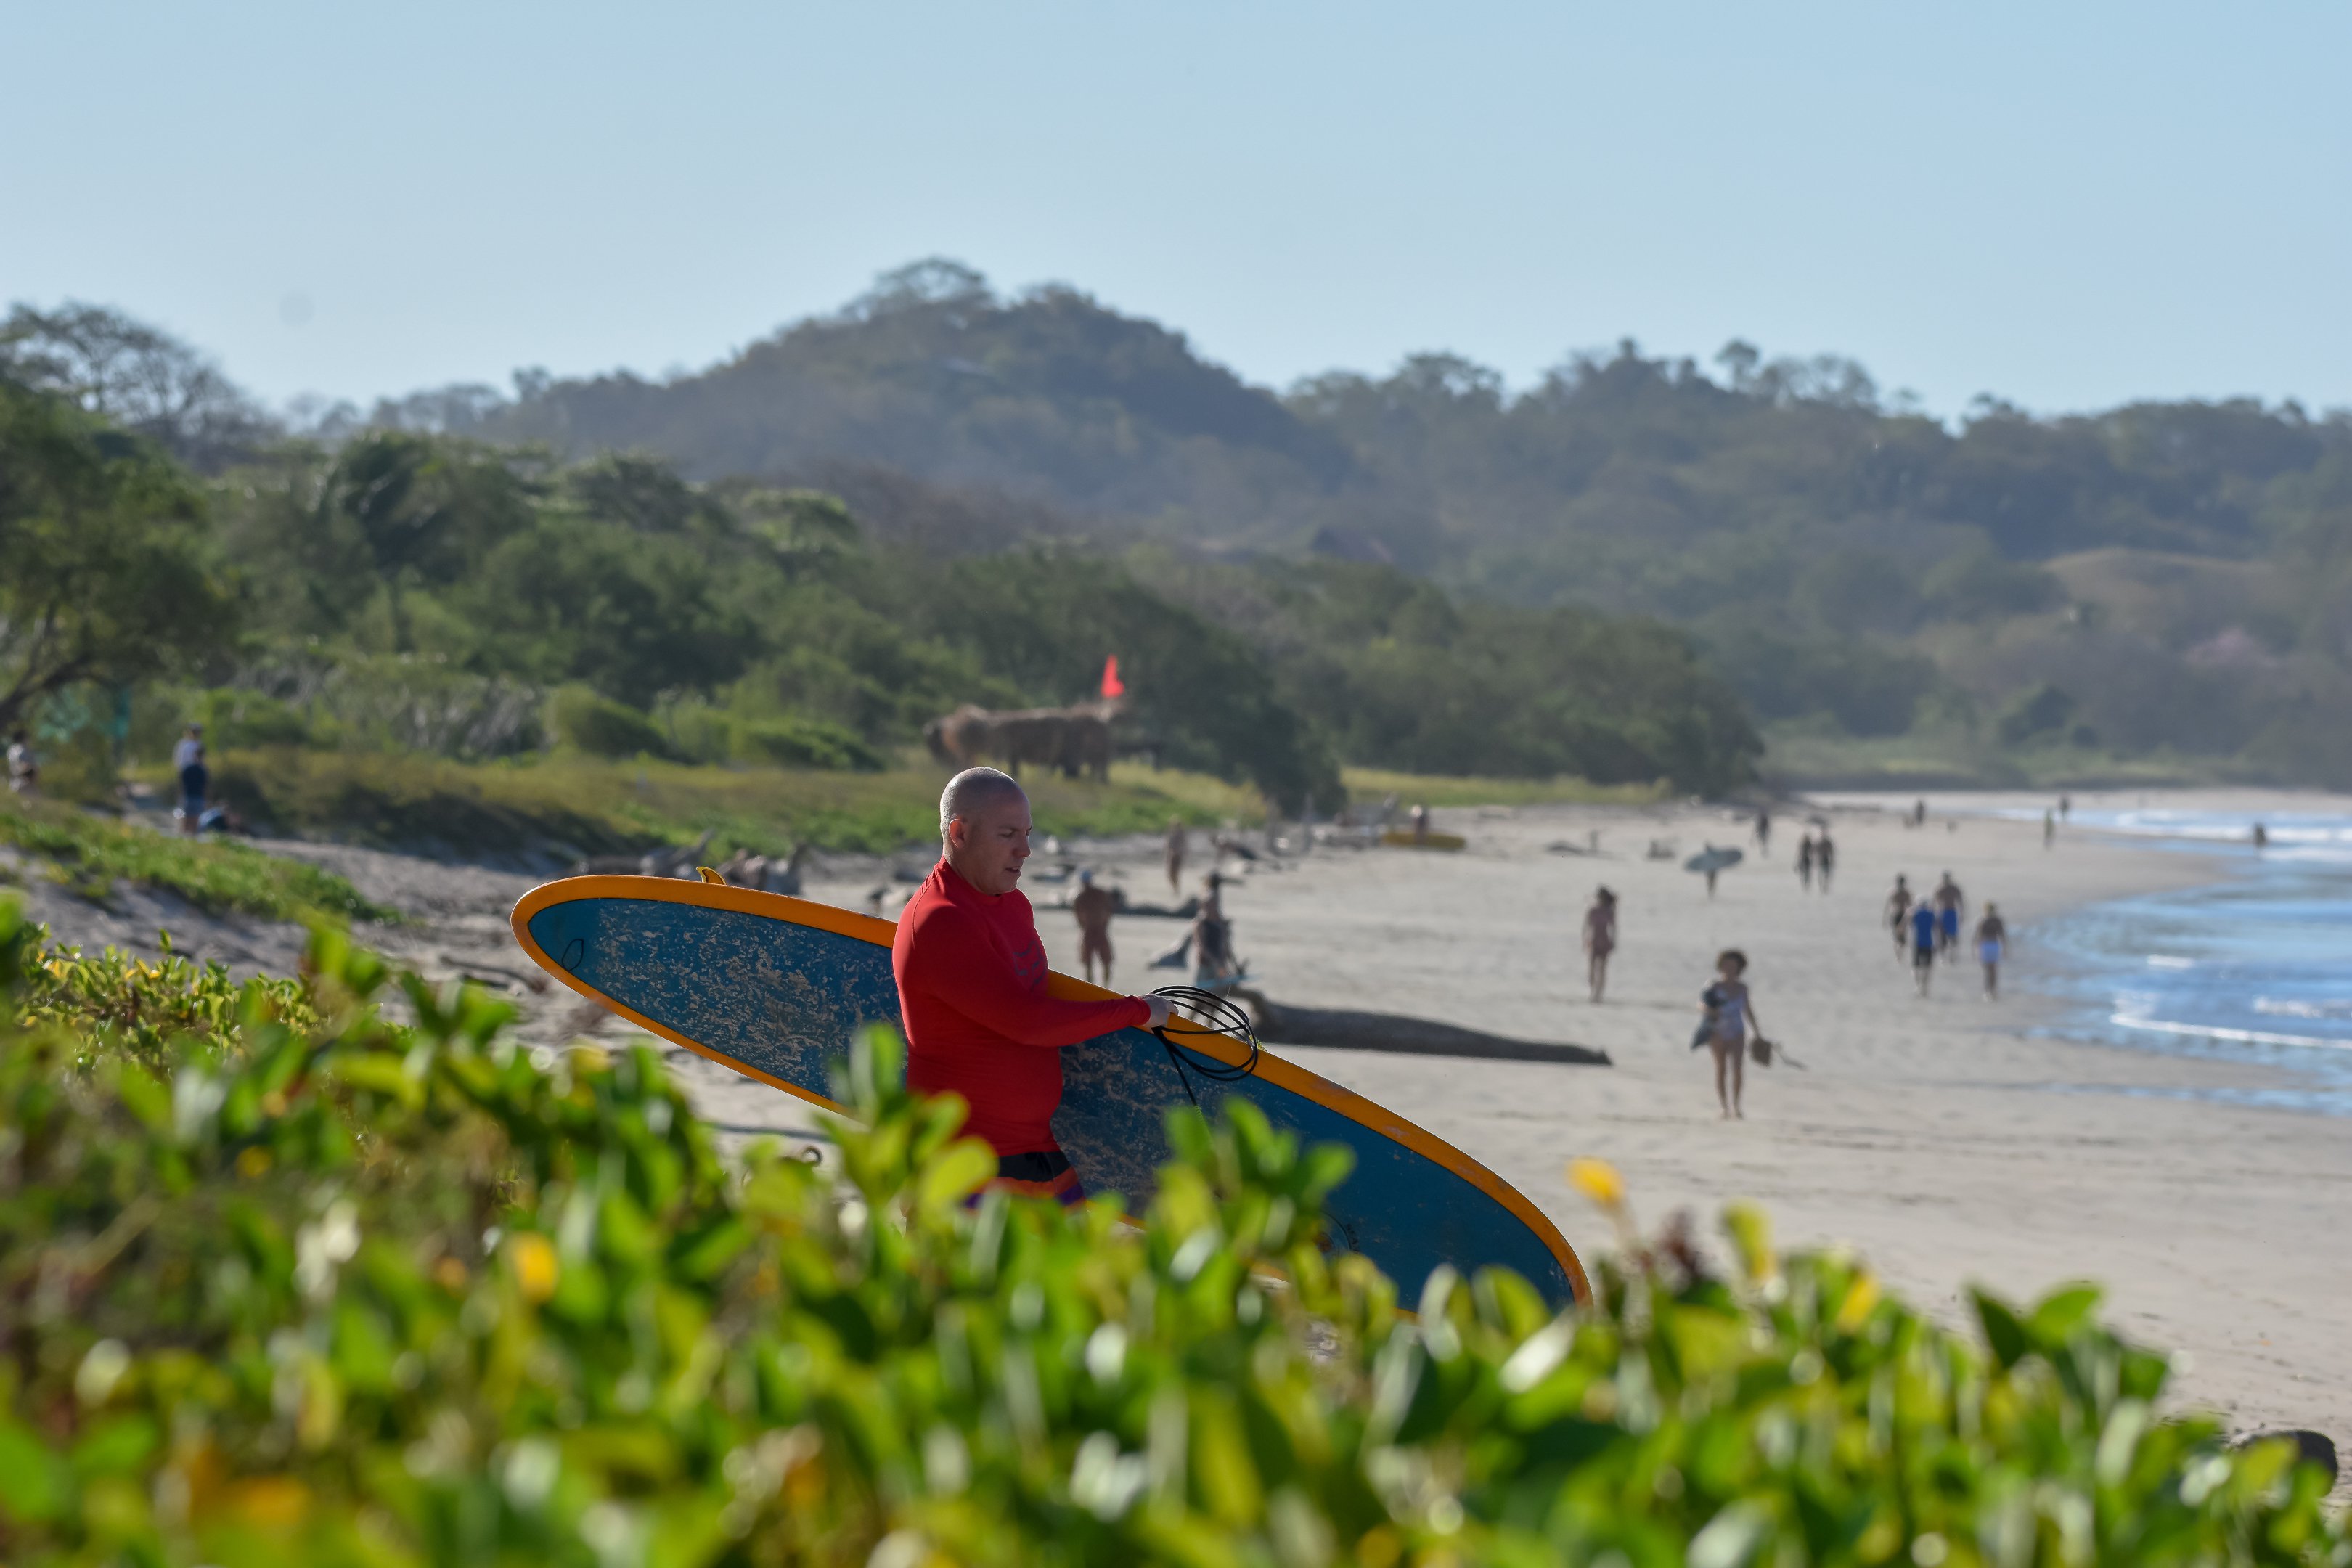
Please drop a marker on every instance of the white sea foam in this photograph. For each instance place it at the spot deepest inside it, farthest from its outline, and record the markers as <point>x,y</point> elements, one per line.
<point>2298,1009</point>
<point>2214,1032</point>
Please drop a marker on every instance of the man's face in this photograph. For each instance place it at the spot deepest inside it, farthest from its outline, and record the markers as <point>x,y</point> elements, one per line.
<point>988,846</point>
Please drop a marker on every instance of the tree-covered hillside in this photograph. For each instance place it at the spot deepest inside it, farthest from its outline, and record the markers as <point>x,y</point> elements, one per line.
<point>1856,568</point>
<point>1969,598</point>
<point>395,590</point>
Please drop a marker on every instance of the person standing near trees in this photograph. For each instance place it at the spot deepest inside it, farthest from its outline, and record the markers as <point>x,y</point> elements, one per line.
<point>970,973</point>
<point>195,781</point>
<point>24,767</point>
<point>1600,939</point>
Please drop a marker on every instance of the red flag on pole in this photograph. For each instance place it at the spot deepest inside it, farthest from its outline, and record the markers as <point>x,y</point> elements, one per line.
<point>1112,686</point>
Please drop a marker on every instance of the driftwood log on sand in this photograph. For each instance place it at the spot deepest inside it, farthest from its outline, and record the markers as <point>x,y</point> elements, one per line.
<point>1281,1025</point>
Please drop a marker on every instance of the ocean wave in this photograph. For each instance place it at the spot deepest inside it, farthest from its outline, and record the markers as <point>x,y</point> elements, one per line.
<point>2299,1009</point>
<point>2216,1032</point>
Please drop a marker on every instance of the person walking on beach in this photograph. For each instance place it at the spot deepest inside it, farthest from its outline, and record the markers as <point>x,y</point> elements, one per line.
<point>1730,1014</point>
<point>1600,939</point>
<point>1763,832</point>
<point>1176,841</point>
<point>1992,941</point>
<point>24,768</point>
<point>1824,858</point>
<point>1949,905</point>
<point>1092,907</point>
<point>188,763</point>
<point>1923,947</point>
<point>2049,828</point>
<point>1898,914</point>
<point>1805,861</point>
<point>1212,937</point>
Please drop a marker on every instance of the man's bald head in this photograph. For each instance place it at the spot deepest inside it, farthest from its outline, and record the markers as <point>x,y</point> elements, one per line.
<point>984,829</point>
<point>974,791</point>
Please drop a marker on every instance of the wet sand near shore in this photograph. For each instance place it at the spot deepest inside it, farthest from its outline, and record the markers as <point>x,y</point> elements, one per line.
<point>1942,1139</point>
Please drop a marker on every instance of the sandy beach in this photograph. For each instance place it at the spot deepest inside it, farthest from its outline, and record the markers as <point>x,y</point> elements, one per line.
<point>1943,1139</point>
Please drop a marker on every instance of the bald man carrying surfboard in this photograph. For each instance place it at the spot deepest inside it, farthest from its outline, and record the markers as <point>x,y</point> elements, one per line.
<point>972,989</point>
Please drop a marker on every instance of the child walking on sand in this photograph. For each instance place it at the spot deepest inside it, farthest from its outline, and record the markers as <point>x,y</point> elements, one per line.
<point>1730,1014</point>
<point>1992,941</point>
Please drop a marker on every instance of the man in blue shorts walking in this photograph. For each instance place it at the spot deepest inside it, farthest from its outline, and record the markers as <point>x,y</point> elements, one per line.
<point>1923,946</point>
<point>1948,904</point>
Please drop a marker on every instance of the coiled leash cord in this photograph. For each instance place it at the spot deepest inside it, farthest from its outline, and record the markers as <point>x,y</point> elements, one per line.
<point>1212,1011</point>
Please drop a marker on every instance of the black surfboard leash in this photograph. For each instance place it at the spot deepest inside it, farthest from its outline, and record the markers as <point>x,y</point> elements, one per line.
<point>1221,1014</point>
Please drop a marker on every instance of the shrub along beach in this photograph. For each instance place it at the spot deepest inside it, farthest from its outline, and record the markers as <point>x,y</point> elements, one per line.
<point>290,1282</point>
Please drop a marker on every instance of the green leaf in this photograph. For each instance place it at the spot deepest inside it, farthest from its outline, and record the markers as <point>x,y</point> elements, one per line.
<point>956,1173</point>
<point>2004,1334</point>
<point>33,1483</point>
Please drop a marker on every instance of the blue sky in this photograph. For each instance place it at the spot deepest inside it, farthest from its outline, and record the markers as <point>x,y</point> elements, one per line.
<point>2069,206</point>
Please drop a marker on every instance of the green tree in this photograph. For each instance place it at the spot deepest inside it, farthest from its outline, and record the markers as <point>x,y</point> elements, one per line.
<point>103,573</point>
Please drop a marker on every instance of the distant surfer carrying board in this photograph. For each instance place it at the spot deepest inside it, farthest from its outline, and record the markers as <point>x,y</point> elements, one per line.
<point>972,989</point>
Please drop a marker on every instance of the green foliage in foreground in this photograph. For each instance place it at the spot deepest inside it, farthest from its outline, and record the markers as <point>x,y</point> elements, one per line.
<point>92,853</point>
<point>334,1291</point>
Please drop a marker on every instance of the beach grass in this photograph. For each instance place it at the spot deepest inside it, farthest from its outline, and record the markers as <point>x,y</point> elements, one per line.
<point>584,806</point>
<point>1440,790</point>
<point>90,854</point>
<point>1798,757</point>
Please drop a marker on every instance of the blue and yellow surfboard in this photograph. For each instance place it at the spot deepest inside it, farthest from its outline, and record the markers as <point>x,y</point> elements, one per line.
<point>773,987</point>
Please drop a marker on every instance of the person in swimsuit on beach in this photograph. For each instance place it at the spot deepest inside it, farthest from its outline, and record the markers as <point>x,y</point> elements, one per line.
<point>1805,861</point>
<point>1730,1014</point>
<point>1923,946</point>
<point>1600,939</point>
<point>1950,902</point>
<point>1092,906</point>
<point>1992,941</point>
<point>1898,914</point>
<point>1176,846</point>
<point>1824,858</point>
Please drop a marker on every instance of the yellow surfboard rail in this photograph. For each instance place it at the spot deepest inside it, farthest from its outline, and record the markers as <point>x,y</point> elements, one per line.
<point>1206,1042</point>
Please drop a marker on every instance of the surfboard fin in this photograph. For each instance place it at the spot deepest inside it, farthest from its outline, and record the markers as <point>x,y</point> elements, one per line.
<point>709,875</point>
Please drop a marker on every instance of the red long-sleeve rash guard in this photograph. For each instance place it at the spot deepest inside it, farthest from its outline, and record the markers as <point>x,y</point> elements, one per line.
<point>972,992</point>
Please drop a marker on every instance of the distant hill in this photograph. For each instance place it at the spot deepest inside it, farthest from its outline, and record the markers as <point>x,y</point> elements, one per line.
<point>1854,567</point>
<point>1049,396</point>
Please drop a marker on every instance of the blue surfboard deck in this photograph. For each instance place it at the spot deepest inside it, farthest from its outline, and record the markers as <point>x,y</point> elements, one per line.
<point>774,987</point>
